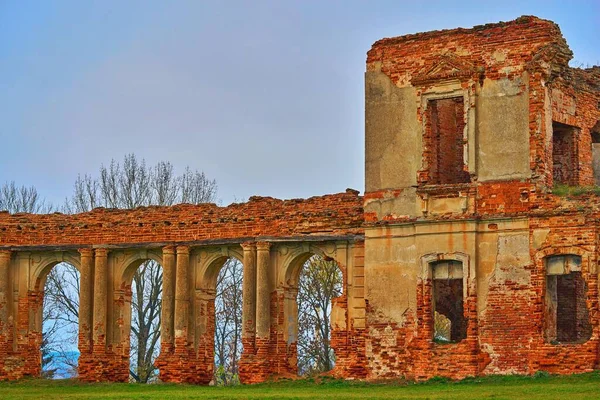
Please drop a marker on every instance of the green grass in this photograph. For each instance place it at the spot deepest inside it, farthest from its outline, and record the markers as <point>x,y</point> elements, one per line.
<point>541,386</point>
<point>570,191</point>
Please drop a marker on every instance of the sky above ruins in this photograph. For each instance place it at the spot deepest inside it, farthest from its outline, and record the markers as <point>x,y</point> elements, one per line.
<point>266,97</point>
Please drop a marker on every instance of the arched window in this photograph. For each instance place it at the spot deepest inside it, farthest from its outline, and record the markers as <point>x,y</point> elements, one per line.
<point>450,325</point>
<point>567,315</point>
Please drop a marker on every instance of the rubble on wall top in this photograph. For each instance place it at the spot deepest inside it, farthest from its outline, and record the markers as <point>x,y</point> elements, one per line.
<point>586,79</point>
<point>332,215</point>
<point>491,29</point>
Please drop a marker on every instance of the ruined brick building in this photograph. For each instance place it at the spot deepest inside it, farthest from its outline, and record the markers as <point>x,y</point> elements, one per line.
<point>468,131</point>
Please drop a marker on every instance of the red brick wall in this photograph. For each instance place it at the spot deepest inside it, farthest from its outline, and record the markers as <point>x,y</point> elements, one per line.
<point>404,57</point>
<point>575,97</point>
<point>572,314</point>
<point>337,214</point>
<point>564,154</point>
<point>329,216</point>
<point>508,335</point>
<point>444,137</point>
<point>527,44</point>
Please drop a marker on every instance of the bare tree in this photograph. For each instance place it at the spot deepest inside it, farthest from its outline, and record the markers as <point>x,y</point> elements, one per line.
<point>86,195</point>
<point>61,299</point>
<point>145,324</point>
<point>164,185</point>
<point>134,184</point>
<point>60,315</point>
<point>51,327</point>
<point>22,199</point>
<point>228,323</point>
<point>127,185</point>
<point>130,185</point>
<point>196,188</point>
<point>320,282</point>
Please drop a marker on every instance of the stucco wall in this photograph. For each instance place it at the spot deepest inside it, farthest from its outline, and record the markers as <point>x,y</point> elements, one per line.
<point>503,129</point>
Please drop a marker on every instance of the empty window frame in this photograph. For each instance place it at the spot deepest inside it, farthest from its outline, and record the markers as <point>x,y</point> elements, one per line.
<point>596,153</point>
<point>564,154</point>
<point>450,324</point>
<point>444,139</point>
<point>567,315</point>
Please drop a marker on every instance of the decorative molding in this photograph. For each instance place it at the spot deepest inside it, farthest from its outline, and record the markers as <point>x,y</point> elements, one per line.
<point>444,68</point>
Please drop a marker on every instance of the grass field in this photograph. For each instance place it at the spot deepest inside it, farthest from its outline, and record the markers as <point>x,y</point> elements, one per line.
<point>586,386</point>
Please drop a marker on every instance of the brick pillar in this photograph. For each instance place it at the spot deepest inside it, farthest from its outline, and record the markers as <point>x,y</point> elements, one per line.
<point>177,361</point>
<point>166,361</point>
<point>205,327</point>
<point>32,357</point>
<point>5,330</point>
<point>247,366</point>
<point>168,301</point>
<point>86,300</point>
<point>263,311</point>
<point>182,299</point>
<point>263,298</point>
<point>249,298</point>
<point>100,302</point>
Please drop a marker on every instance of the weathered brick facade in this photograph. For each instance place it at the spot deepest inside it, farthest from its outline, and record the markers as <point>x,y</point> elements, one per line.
<point>467,132</point>
<point>528,121</point>
<point>271,237</point>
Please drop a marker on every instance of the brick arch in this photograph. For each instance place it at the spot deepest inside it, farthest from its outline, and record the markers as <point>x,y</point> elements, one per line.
<point>428,259</point>
<point>46,263</point>
<point>289,274</point>
<point>42,265</point>
<point>589,271</point>
<point>549,251</point>
<point>426,283</point>
<point>294,261</point>
<point>425,317</point>
<point>209,268</point>
<point>132,262</point>
<point>117,242</point>
<point>121,315</point>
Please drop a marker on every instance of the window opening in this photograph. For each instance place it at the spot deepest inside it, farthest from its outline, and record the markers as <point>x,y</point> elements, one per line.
<point>596,153</point>
<point>450,325</point>
<point>564,154</point>
<point>566,309</point>
<point>445,137</point>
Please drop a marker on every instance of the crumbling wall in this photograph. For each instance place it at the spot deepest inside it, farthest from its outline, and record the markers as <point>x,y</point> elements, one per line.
<point>575,98</point>
<point>518,92</point>
<point>499,70</point>
<point>202,224</point>
<point>191,243</point>
<point>463,150</point>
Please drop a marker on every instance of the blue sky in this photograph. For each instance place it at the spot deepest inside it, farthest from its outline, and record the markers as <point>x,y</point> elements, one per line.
<point>266,97</point>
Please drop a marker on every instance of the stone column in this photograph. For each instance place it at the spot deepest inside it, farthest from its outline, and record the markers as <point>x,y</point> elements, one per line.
<point>100,299</point>
<point>86,300</point>
<point>205,327</point>
<point>168,300</point>
<point>4,302</point>
<point>249,298</point>
<point>182,298</point>
<point>263,297</point>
